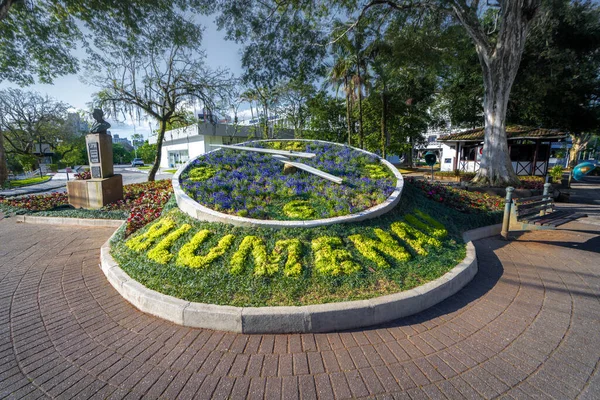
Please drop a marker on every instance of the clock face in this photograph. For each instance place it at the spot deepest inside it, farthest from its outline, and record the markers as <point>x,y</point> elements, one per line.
<point>293,180</point>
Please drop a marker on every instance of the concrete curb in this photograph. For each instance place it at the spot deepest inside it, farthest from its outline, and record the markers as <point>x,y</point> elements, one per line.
<point>31,189</point>
<point>202,213</point>
<point>69,221</point>
<point>304,319</point>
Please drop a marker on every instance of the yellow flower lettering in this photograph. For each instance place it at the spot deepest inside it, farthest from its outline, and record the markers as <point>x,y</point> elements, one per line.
<point>332,261</point>
<point>386,245</point>
<point>188,258</point>
<point>147,239</point>
<point>160,253</point>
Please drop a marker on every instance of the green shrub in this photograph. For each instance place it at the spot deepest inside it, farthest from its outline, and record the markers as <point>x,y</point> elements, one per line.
<point>556,173</point>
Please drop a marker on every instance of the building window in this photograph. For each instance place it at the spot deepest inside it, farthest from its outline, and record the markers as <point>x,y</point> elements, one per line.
<point>177,157</point>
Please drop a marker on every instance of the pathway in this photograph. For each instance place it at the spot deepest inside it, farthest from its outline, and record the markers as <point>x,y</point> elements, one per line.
<point>527,326</point>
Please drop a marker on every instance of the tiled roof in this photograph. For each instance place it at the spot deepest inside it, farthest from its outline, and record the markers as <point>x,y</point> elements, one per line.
<point>512,132</point>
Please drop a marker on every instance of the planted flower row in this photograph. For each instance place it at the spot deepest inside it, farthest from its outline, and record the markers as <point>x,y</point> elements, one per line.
<point>404,239</point>
<point>254,184</point>
<point>458,199</point>
<point>143,202</point>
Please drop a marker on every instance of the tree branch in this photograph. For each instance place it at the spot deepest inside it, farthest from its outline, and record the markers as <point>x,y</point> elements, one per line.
<point>391,4</point>
<point>467,16</point>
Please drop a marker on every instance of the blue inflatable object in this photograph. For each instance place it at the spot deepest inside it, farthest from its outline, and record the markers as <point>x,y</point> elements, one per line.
<point>582,170</point>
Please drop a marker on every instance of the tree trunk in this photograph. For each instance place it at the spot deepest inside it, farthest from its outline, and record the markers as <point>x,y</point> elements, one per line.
<point>252,116</point>
<point>5,8</point>
<point>162,127</point>
<point>384,131</point>
<point>579,142</point>
<point>266,117</point>
<point>495,168</point>
<point>409,154</point>
<point>3,167</point>
<point>348,117</point>
<point>500,63</point>
<point>361,135</point>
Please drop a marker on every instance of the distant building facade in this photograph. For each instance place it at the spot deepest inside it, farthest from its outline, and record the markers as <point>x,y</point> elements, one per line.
<point>123,141</point>
<point>183,144</point>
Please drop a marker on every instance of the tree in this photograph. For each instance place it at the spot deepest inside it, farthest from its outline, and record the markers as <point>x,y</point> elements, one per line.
<point>352,48</point>
<point>72,153</point>
<point>120,154</point>
<point>271,58</point>
<point>250,97</point>
<point>499,51</point>
<point>293,96</point>
<point>160,71</point>
<point>558,85</point>
<point>3,160</point>
<point>341,75</point>
<point>37,37</point>
<point>147,152</point>
<point>326,118</point>
<point>31,123</point>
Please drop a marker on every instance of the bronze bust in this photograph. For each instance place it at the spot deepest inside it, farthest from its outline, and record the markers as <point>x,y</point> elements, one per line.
<point>100,126</point>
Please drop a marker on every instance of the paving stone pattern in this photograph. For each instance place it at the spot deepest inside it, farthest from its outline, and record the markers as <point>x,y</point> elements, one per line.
<point>527,326</point>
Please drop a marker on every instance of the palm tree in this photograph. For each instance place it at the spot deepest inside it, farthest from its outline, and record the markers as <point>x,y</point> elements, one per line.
<point>341,74</point>
<point>351,49</point>
<point>377,52</point>
<point>250,96</point>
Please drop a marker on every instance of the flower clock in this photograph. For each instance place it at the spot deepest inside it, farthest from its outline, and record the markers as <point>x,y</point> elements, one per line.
<point>288,180</point>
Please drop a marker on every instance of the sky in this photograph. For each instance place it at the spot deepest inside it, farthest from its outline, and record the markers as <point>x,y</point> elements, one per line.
<point>69,89</point>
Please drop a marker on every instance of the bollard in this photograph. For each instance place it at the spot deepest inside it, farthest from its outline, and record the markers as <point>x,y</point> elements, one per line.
<point>507,206</point>
<point>547,187</point>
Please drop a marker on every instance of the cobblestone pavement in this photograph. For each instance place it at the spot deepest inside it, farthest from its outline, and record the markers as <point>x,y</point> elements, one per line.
<point>527,326</point>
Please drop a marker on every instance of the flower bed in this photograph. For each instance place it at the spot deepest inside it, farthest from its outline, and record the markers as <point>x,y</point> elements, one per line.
<point>39,202</point>
<point>254,185</point>
<point>531,183</point>
<point>208,262</point>
<point>458,199</point>
<point>143,201</point>
<point>141,204</point>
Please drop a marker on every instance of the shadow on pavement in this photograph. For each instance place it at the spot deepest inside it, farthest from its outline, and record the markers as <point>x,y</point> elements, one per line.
<point>489,273</point>
<point>592,245</point>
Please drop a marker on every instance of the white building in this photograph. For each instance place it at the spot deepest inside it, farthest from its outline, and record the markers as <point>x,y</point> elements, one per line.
<point>445,153</point>
<point>182,144</point>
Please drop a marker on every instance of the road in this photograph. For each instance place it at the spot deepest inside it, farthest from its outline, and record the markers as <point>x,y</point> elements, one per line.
<point>130,175</point>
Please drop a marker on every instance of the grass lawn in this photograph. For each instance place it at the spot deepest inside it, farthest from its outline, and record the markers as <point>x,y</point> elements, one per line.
<point>170,171</point>
<point>226,265</point>
<point>29,181</point>
<point>144,168</point>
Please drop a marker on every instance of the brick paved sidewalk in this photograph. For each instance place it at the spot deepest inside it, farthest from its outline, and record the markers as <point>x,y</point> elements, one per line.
<point>527,326</point>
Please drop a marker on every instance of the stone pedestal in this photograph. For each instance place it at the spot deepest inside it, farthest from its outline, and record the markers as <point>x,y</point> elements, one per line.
<point>104,187</point>
<point>95,193</point>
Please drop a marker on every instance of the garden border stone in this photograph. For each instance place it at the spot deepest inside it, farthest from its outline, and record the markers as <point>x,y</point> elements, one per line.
<point>33,219</point>
<point>202,213</point>
<point>301,319</point>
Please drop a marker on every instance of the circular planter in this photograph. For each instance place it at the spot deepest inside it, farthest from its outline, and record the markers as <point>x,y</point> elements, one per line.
<point>303,319</point>
<point>202,213</point>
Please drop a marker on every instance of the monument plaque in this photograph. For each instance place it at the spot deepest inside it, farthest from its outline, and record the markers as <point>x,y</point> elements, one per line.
<point>96,172</point>
<point>94,154</point>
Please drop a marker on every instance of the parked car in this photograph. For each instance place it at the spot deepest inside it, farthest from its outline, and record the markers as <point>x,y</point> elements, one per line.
<point>137,162</point>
